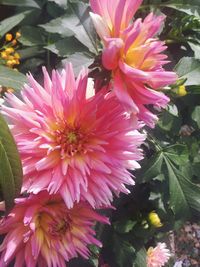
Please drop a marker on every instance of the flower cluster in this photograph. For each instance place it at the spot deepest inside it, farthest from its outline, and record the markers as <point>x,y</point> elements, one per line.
<point>9,56</point>
<point>78,145</point>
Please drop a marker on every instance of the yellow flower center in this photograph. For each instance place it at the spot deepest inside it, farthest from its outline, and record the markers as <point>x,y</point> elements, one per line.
<point>55,225</point>
<point>72,137</point>
<point>71,141</point>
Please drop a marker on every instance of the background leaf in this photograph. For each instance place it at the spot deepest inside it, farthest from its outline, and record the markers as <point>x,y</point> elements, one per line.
<point>10,165</point>
<point>11,78</point>
<point>7,24</point>
<point>189,68</point>
<point>23,3</point>
<point>191,8</point>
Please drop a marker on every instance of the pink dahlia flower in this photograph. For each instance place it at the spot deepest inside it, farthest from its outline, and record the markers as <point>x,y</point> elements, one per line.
<point>78,146</point>
<point>134,55</point>
<point>158,256</point>
<point>42,231</point>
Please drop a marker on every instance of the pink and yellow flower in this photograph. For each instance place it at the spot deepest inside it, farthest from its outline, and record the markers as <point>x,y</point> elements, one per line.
<point>72,141</point>
<point>134,55</point>
<point>42,231</point>
<point>158,256</point>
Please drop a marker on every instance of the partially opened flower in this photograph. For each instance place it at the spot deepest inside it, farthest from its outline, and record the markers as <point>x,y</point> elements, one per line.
<point>134,55</point>
<point>72,142</point>
<point>42,231</point>
<point>158,256</point>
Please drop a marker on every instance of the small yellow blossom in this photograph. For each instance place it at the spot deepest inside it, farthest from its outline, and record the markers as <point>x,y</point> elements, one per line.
<point>18,35</point>
<point>181,90</point>
<point>8,37</point>
<point>10,57</point>
<point>17,55</point>
<point>9,63</point>
<point>4,55</point>
<point>16,62</point>
<point>14,42</point>
<point>9,50</point>
<point>154,219</point>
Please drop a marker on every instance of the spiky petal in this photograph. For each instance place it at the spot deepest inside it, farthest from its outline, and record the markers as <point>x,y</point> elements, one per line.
<point>42,231</point>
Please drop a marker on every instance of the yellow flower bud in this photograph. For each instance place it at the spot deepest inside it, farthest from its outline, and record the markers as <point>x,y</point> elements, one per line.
<point>17,55</point>
<point>17,62</point>
<point>18,35</point>
<point>9,63</point>
<point>9,50</point>
<point>154,219</point>
<point>4,55</point>
<point>10,57</point>
<point>181,90</point>
<point>8,37</point>
<point>14,42</point>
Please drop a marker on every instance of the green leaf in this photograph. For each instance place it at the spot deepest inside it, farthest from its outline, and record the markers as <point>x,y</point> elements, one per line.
<point>82,26</point>
<point>78,60</point>
<point>7,184</point>
<point>65,47</point>
<point>172,109</point>
<point>196,48</point>
<point>30,52</point>
<point>124,252</point>
<point>177,153</point>
<point>62,3</point>
<point>10,165</point>
<point>59,25</point>
<point>169,122</point>
<point>7,24</point>
<point>31,36</point>
<point>141,256</point>
<point>196,115</point>
<point>23,3</point>
<point>124,226</point>
<point>178,201</point>
<point>11,78</point>
<point>31,64</point>
<point>186,6</point>
<point>183,193</point>
<point>153,167</point>
<point>77,23</point>
<point>189,68</point>
<point>194,89</point>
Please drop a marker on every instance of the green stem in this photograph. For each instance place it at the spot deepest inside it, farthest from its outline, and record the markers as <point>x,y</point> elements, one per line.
<point>154,142</point>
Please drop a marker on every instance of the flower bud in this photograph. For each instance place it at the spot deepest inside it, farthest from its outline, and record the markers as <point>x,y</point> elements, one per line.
<point>18,35</point>
<point>8,37</point>
<point>181,90</point>
<point>154,219</point>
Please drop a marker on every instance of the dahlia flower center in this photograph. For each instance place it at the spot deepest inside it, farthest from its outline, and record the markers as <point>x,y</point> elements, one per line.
<point>71,141</point>
<point>56,226</point>
<point>59,227</point>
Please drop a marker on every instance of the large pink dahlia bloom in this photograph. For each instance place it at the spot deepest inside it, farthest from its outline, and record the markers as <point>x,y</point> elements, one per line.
<point>158,256</point>
<point>134,55</point>
<point>72,142</point>
<point>42,231</point>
